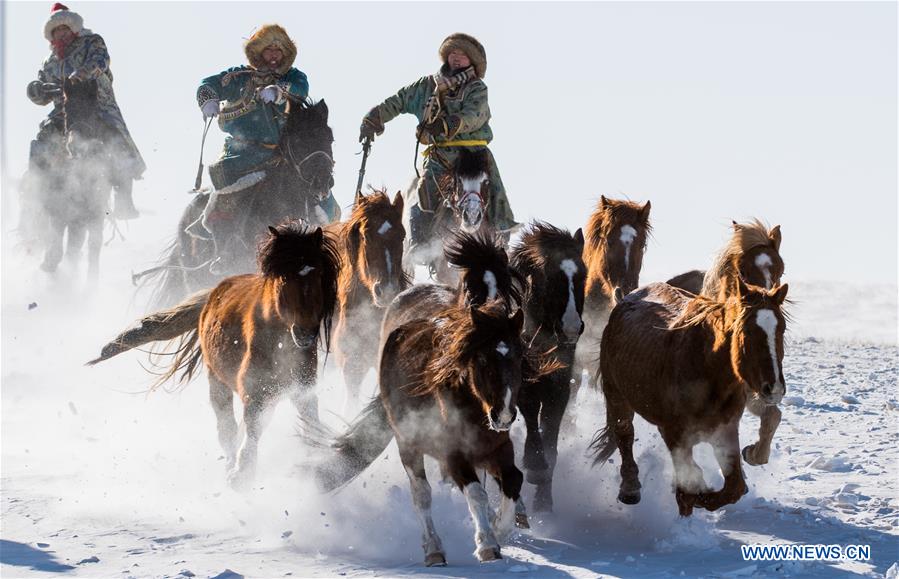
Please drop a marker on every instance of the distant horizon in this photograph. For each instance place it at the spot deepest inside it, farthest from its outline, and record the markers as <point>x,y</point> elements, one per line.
<point>713,111</point>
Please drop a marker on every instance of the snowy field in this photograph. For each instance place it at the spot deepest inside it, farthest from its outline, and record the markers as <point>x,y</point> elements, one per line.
<point>101,480</point>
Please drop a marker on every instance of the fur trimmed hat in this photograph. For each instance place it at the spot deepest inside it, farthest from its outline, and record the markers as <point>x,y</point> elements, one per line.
<point>473,49</point>
<point>60,15</point>
<point>268,35</point>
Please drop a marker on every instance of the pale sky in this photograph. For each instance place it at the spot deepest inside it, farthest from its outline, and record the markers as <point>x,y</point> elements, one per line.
<point>714,111</point>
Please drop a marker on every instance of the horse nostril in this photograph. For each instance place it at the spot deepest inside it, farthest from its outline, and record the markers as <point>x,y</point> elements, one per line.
<point>767,390</point>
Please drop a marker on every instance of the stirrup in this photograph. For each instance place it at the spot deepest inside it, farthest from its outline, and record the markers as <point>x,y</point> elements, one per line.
<point>198,231</point>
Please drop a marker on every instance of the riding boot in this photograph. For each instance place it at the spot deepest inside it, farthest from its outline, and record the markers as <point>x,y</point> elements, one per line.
<point>123,207</point>
<point>421,236</point>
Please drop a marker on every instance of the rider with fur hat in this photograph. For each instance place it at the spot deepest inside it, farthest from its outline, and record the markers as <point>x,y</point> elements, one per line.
<point>254,131</point>
<point>80,55</point>
<point>453,113</point>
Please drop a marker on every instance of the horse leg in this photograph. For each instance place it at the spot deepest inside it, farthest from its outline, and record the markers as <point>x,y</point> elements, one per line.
<point>74,242</point>
<point>302,392</point>
<point>758,453</point>
<point>94,244</point>
<point>222,399</point>
<point>502,468</point>
<point>726,444</point>
<point>255,405</point>
<point>534,461</point>
<point>463,473</point>
<point>414,464</point>
<point>551,415</point>
<point>689,485</point>
<point>53,254</point>
<point>620,421</point>
<point>355,368</point>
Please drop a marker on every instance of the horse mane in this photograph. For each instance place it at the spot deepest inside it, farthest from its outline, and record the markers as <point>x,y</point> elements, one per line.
<point>538,243</point>
<point>610,212</point>
<point>472,163</point>
<point>277,258</point>
<point>349,233</point>
<point>481,250</point>
<point>746,237</point>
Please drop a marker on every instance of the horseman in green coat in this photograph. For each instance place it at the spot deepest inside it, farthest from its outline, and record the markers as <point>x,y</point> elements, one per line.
<point>453,114</point>
<point>250,102</point>
<point>77,54</point>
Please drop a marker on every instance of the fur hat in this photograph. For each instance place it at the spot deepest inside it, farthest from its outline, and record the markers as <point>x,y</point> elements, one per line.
<point>266,36</point>
<point>60,15</point>
<point>473,49</point>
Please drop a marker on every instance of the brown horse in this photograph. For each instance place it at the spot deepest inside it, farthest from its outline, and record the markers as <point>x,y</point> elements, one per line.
<point>484,275</point>
<point>257,335</point>
<point>685,364</point>
<point>448,389</point>
<point>753,254</point>
<point>371,247</point>
<point>550,259</point>
<point>616,236</point>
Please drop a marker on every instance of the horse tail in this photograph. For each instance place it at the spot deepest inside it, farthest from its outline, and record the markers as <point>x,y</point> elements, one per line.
<point>160,326</point>
<point>187,359</point>
<point>357,448</point>
<point>166,276</point>
<point>604,444</point>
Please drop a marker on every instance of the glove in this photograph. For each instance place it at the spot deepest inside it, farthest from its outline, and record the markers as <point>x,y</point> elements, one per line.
<point>210,108</point>
<point>35,91</point>
<point>371,125</point>
<point>270,94</point>
<point>434,129</point>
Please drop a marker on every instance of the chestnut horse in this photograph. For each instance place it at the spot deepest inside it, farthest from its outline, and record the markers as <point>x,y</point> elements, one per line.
<point>484,275</point>
<point>448,389</point>
<point>550,259</point>
<point>371,275</point>
<point>753,254</point>
<point>257,335</point>
<point>685,363</point>
<point>616,236</point>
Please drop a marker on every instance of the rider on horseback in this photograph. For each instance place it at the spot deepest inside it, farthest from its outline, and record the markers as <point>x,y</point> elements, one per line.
<point>80,55</point>
<point>254,113</point>
<point>453,114</point>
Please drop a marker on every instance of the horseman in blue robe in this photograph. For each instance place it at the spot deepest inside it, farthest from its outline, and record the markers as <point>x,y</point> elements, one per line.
<point>250,102</point>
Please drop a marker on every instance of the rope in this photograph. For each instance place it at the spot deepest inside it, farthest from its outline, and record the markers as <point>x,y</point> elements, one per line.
<point>199,180</point>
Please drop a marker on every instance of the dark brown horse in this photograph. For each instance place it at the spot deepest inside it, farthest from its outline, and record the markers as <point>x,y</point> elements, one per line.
<point>753,254</point>
<point>685,363</point>
<point>616,236</point>
<point>371,246</point>
<point>448,389</point>
<point>484,274</point>
<point>257,334</point>
<point>550,260</point>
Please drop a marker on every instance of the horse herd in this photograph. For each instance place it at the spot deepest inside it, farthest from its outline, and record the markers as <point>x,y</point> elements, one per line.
<point>456,363</point>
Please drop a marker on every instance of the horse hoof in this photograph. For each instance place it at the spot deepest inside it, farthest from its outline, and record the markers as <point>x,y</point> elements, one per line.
<point>521,521</point>
<point>239,481</point>
<point>750,458</point>
<point>543,505</point>
<point>538,476</point>
<point>488,554</point>
<point>48,267</point>
<point>435,560</point>
<point>629,497</point>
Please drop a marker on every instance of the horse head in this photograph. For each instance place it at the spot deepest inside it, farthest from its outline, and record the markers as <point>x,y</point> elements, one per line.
<point>83,129</point>
<point>471,191</point>
<point>761,264</point>
<point>307,145</point>
<point>618,231</point>
<point>300,266</point>
<point>551,260</point>
<point>374,239</point>
<point>484,271</point>
<point>757,348</point>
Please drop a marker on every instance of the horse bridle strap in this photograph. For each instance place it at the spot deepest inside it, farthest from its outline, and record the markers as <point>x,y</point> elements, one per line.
<point>298,166</point>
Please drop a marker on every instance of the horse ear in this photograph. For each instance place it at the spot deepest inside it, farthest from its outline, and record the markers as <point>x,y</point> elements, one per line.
<point>735,225</point>
<point>359,197</point>
<point>323,109</point>
<point>603,202</point>
<point>477,317</point>
<point>273,231</point>
<point>644,211</point>
<point>579,238</point>
<point>779,294</point>
<point>518,320</point>
<point>774,236</point>
<point>398,200</point>
<point>318,235</point>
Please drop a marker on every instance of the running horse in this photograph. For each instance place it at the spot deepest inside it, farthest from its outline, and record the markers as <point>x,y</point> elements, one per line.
<point>448,389</point>
<point>753,255</point>
<point>288,188</point>
<point>371,275</point>
<point>550,260</point>
<point>685,364</point>
<point>464,193</point>
<point>77,180</point>
<point>257,334</point>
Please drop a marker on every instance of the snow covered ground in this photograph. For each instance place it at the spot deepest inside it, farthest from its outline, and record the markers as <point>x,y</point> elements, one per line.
<point>101,480</point>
